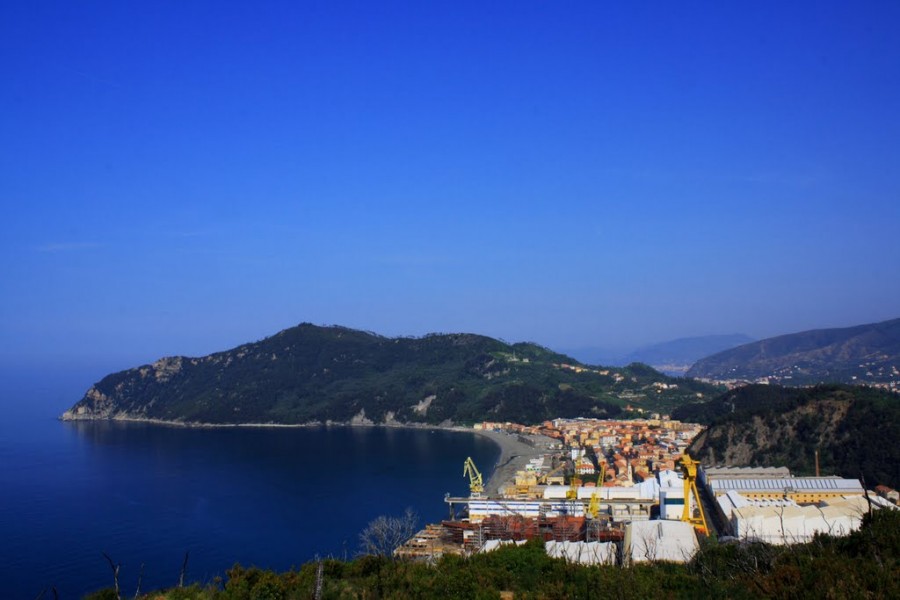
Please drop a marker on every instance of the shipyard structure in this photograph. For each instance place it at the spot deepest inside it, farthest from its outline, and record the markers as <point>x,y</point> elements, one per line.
<point>624,492</point>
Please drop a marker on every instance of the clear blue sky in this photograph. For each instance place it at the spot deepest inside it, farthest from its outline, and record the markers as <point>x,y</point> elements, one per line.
<point>182,177</point>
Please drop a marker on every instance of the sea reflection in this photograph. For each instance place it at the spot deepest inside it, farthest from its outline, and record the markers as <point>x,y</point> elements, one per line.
<point>146,493</point>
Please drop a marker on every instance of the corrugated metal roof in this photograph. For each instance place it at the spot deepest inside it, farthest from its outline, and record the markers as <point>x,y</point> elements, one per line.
<point>793,484</point>
<point>732,472</point>
<point>712,470</point>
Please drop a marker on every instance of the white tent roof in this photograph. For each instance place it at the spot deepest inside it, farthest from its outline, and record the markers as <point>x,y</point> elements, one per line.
<point>660,540</point>
<point>585,553</point>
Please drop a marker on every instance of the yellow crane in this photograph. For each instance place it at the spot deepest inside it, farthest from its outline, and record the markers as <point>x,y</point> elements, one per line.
<point>594,506</point>
<point>689,469</point>
<point>476,484</point>
<point>574,484</point>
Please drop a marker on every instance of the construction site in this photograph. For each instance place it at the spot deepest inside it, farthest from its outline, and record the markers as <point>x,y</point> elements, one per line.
<point>661,517</point>
<point>578,521</point>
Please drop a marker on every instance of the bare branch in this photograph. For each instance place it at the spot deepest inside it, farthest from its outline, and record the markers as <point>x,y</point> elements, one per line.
<point>320,572</point>
<point>385,534</point>
<point>183,569</point>
<point>862,479</point>
<point>137,592</point>
<point>115,569</point>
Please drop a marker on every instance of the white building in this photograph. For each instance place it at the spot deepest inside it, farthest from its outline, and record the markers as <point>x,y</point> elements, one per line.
<point>491,545</point>
<point>671,495</point>
<point>584,553</point>
<point>782,521</point>
<point>803,490</point>
<point>671,541</point>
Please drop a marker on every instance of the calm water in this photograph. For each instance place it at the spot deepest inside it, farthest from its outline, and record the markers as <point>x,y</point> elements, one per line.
<point>145,494</point>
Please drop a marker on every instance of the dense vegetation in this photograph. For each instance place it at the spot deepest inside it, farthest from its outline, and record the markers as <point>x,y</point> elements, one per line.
<point>854,429</point>
<point>309,373</point>
<point>862,565</point>
<point>862,354</point>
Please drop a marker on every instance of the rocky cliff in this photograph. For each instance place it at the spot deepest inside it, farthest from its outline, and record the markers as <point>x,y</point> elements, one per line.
<point>853,429</point>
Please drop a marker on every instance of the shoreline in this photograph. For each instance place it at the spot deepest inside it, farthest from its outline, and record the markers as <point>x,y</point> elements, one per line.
<point>514,454</point>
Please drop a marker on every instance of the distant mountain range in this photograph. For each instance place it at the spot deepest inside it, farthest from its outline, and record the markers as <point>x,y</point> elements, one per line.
<point>862,354</point>
<point>313,374</point>
<point>597,355</point>
<point>854,428</point>
<point>674,357</point>
<point>677,356</point>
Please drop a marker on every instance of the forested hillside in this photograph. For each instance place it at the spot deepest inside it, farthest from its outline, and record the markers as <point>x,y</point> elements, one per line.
<point>854,429</point>
<point>862,354</point>
<point>316,374</point>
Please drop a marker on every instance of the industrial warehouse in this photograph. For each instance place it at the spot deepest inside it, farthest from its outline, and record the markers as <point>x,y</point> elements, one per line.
<point>620,519</point>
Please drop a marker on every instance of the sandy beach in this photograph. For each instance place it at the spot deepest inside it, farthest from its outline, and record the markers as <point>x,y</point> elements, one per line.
<point>514,455</point>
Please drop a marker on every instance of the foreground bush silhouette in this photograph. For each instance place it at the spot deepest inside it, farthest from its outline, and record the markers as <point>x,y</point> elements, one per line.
<point>862,565</point>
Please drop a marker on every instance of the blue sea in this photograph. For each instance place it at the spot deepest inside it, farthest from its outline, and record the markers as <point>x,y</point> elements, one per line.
<point>147,494</point>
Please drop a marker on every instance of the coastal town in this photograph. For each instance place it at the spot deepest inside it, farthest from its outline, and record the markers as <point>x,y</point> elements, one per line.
<point>602,491</point>
<point>608,452</point>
